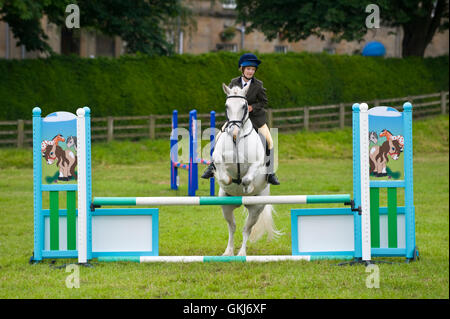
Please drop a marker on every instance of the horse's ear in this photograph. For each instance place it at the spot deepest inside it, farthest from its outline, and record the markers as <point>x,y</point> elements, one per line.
<point>226,89</point>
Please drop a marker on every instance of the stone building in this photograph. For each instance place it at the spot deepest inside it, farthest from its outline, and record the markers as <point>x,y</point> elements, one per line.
<point>214,29</point>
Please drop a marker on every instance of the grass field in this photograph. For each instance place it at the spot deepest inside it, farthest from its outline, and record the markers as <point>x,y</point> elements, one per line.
<point>309,163</point>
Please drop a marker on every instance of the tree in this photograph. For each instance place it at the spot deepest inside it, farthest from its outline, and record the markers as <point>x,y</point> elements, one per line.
<point>420,21</point>
<point>138,22</point>
<point>24,18</point>
<point>296,20</point>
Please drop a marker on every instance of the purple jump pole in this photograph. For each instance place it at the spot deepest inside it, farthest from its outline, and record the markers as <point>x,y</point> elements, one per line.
<point>212,125</point>
<point>174,151</point>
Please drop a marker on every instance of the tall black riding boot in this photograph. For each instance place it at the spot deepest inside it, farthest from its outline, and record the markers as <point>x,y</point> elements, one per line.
<point>270,163</point>
<point>209,171</point>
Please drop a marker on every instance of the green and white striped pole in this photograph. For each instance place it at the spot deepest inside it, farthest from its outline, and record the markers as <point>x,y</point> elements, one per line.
<point>227,200</point>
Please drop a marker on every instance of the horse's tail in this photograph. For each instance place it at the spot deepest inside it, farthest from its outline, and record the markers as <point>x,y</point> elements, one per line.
<point>265,224</point>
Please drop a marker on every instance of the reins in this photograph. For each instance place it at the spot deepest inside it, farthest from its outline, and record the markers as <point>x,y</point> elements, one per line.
<point>239,124</point>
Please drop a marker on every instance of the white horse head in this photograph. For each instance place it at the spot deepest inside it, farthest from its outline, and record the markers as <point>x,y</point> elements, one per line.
<point>239,157</point>
<point>236,109</point>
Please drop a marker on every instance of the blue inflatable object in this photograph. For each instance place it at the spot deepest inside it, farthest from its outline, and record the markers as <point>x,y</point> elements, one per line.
<point>374,48</point>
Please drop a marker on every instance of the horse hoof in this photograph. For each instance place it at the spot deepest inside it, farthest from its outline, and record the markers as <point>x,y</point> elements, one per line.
<point>228,253</point>
<point>248,189</point>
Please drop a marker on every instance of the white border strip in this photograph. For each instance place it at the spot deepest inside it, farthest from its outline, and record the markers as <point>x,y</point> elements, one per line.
<point>365,180</point>
<point>82,191</point>
<point>186,200</point>
<point>172,259</point>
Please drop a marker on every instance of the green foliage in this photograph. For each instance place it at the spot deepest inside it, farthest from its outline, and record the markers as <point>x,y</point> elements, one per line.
<point>24,18</point>
<point>297,20</point>
<point>346,19</point>
<point>143,85</point>
<point>137,22</point>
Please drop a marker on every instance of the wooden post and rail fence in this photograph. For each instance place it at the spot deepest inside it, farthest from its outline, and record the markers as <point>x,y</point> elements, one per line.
<point>315,118</point>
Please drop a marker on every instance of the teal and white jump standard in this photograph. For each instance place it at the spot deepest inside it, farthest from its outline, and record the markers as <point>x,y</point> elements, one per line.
<point>361,231</point>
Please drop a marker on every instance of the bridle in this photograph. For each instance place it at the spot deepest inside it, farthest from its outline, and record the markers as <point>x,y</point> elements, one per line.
<point>240,123</point>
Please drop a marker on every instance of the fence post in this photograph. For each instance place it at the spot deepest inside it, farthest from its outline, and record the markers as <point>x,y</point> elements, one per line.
<point>270,117</point>
<point>110,128</point>
<point>152,124</point>
<point>20,133</point>
<point>306,118</point>
<point>443,102</point>
<point>341,115</point>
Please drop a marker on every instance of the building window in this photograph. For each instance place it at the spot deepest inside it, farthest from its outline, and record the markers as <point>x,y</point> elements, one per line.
<point>329,50</point>
<point>104,45</point>
<point>70,41</point>
<point>231,47</point>
<point>281,49</point>
<point>229,4</point>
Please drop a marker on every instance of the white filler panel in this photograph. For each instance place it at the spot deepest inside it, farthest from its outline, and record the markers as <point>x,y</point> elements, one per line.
<point>62,233</point>
<point>401,236</point>
<point>121,233</point>
<point>325,233</point>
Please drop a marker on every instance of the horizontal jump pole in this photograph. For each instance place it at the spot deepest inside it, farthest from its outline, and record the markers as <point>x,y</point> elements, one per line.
<point>203,161</point>
<point>191,259</point>
<point>226,200</point>
<point>181,165</point>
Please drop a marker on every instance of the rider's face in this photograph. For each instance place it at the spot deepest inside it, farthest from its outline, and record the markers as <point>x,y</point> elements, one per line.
<point>249,71</point>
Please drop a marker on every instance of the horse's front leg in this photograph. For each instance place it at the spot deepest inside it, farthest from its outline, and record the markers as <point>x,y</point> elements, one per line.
<point>229,217</point>
<point>227,211</point>
<point>221,175</point>
<point>253,214</point>
<point>247,180</point>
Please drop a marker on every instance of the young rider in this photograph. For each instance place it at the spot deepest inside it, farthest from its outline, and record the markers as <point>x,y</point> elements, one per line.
<point>257,100</point>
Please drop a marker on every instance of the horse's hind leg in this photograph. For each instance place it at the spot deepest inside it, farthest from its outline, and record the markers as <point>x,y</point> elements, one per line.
<point>253,215</point>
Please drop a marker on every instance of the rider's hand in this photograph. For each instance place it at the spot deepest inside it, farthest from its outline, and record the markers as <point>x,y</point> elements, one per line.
<point>250,108</point>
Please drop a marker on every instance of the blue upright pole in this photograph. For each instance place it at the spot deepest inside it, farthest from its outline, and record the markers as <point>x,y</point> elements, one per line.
<point>357,179</point>
<point>409,190</point>
<point>174,151</point>
<point>192,165</point>
<point>37,176</point>
<point>195,157</point>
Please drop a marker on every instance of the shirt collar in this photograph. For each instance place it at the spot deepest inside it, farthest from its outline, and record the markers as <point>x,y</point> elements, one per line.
<point>243,81</point>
